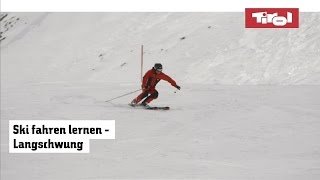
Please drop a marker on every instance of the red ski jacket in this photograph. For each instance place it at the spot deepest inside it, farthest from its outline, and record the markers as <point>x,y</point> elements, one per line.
<point>151,78</point>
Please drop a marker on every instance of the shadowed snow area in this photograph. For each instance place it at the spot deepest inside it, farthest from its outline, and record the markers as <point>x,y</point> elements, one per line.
<point>248,107</point>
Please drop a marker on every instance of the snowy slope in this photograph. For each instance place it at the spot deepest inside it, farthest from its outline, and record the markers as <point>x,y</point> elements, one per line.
<point>216,48</point>
<point>211,132</point>
<point>65,65</point>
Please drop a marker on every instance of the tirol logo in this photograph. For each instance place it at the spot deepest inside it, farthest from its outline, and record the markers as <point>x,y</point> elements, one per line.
<point>272,17</point>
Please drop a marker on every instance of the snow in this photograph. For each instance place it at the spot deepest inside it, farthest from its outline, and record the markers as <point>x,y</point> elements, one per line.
<point>217,48</point>
<point>248,107</point>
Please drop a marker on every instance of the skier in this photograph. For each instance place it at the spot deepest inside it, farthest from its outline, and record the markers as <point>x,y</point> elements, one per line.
<point>149,82</point>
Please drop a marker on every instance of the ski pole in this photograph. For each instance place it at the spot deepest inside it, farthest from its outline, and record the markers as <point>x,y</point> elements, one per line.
<point>123,95</point>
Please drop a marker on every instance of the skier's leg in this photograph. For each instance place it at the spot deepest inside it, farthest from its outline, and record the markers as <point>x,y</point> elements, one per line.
<point>153,95</point>
<point>140,97</point>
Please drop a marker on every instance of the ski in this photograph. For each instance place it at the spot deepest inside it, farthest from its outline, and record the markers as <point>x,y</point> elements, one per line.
<point>158,108</point>
<point>151,107</point>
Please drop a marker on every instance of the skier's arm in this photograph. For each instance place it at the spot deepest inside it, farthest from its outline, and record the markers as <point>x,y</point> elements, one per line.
<point>169,79</point>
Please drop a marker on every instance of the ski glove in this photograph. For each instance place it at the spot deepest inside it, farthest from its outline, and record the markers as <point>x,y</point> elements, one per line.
<point>178,87</point>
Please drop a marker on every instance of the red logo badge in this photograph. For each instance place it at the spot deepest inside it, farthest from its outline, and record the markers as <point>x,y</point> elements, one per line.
<point>272,17</point>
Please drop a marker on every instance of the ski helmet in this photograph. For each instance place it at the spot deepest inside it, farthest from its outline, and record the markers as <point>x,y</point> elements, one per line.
<point>157,67</point>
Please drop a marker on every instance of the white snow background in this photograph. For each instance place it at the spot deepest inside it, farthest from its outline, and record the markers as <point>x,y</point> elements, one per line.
<point>249,107</point>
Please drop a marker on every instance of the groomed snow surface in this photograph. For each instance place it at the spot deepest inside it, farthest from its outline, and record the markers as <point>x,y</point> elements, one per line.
<point>249,107</point>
